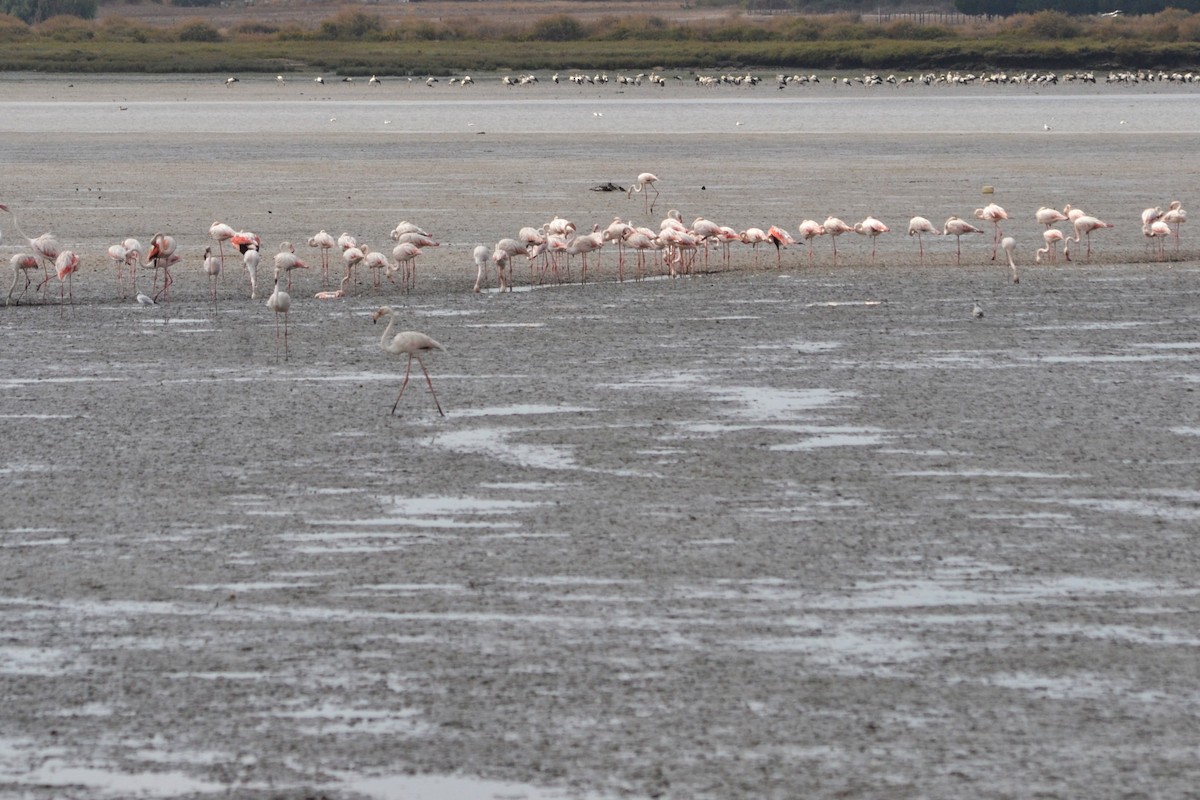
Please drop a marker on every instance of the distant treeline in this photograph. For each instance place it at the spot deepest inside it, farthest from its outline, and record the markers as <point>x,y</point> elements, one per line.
<point>1006,8</point>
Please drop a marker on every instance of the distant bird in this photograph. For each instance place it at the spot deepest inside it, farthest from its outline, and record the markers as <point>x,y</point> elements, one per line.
<point>1008,244</point>
<point>374,81</point>
<point>410,343</point>
<point>230,82</point>
<point>994,214</point>
<point>977,311</point>
<point>645,181</point>
<point>279,80</point>
<point>918,227</point>
<point>873,228</point>
<point>1052,236</point>
<point>958,228</point>
<point>280,302</point>
<point>319,79</point>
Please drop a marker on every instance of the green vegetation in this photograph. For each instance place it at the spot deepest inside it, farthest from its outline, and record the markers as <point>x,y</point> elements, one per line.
<point>353,42</point>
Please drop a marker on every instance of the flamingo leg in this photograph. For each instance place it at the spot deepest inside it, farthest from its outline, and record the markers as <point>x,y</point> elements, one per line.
<point>430,382</point>
<point>404,383</point>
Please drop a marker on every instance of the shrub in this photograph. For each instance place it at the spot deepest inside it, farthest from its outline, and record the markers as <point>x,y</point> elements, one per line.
<point>1050,25</point>
<point>559,28</point>
<point>12,29</point>
<point>351,24</point>
<point>66,29</point>
<point>197,30</point>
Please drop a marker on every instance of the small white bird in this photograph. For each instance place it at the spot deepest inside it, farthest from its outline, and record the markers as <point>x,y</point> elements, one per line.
<point>977,311</point>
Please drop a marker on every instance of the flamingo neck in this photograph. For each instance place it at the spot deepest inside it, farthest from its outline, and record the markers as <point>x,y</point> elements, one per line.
<point>387,334</point>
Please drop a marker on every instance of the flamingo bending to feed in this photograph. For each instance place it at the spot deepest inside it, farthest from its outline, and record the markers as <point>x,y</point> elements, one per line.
<point>957,228</point>
<point>481,254</point>
<point>1008,244</point>
<point>918,227</point>
<point>21,264</point>
<point>251,259</point>
<point>645,181</point>
<point>66,265</point>
<point>1051,236</point>
<point>410,343</point>
<point>45,247</point>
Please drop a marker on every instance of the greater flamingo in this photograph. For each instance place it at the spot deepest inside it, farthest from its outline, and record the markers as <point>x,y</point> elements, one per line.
<point>481,254</point>
<point>45,247</point>
<point>410,343</point>
<point>405,255</point>
<point>873,228</point>
<point>958,228</point>
<point>119,256</point>
<point>406,227</point>
<point>280,302</point>
<point>1049,216</point>
<point>1008,244</point>
<point>222,233</point>
<point>162,255</point>
<point>835,228</point>
<point>212,268</point>
<point>325,242</point>
<point>286,260</point>
<point>810,229</point>
<point>754,237</point>
<point>994,214</point>
<point>1051,236</point>
<point>1084,225</point>
<point>1175,215</point>
<point>66,265</point>
<point>21,264</point>
<point>780,238</point>
<point>645,181</point>
<point>1158,229</point>
<point>918,227</point>
<point>251,259</point>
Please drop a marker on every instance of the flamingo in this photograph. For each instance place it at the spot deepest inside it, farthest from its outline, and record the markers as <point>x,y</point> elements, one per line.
<point>410,343</point>
<point>584,244</point>
<point>754,237</point>
<point>406,257</point>
<point>212,268</point>
<point>21,264</point>
<point>406,227</point>
<point>645,180</point>
<point>1008,244</point>
<point>873,228</point>
<point>1050,216</point>
<point>1175,215</point>
<point>503,265</point>
<point>280,302</point>
<point>994,214</point>
<point>378,264</point>
<point>325,242</point>
<point>641,241</point>
<point>119,254</point>
<point>244,240</point>
<point>810,229</point>
<point>45,247</point>
<point>222,233</point>
<point>616,232</point>
<point>334,295</point>
<point>162,255</point>
<point>835,228</point>
<point>481,254</point>
<point>780,238</point>
<point>958,228</point>
<point>286,261</point>
<point>1157,230</point>
<point>1084,225</point>
<point>1149,215</point>
<point>66,265</point>
<point>1052,236</point>
<point>346,241</point>
<point>251,259</point>
<point>419,239</point>
<point>918,227</point>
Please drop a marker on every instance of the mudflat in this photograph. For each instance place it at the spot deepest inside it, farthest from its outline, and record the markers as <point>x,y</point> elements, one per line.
<point>761,530</point>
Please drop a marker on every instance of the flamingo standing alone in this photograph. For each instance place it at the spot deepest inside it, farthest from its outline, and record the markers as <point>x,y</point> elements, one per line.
<point>645,180</point>
<point>411,344</point>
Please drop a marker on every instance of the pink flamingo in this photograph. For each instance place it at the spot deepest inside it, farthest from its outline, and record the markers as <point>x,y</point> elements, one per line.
<point>835,228</point>
<point>212,268</point>
<point>45,247</point>
<point>810,229</point>
<point>780,238</point>
<point>411,344</point>
<point>1051,236</point>
<point>1084,225</point>
<point>251,259</point>
<point>873,228</point>
<point>918,227</point>
<point>958,228</point>
<point>994,214</point>
<point>222,233</point>
<point>645,180</point>
<point>481,254</point>
<point>1175,215</point>
<point>286,261</point>
<point>406,227</point>
<point>378,264</point>
<point>1158,229</point>
<point>66,265</point>
<point>21,264</point>
<point>161,256</point>
<point>1050,216</point>
<point>642,242</point>
<point>119,254</point>
<point>405,255</point>
<point>326,243</point>
<point>754,237</point>
<point>280,302</point>
<point>584,244</point>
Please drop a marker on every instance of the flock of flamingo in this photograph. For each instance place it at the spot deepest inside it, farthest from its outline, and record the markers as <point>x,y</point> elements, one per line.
<point>675,247</point>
